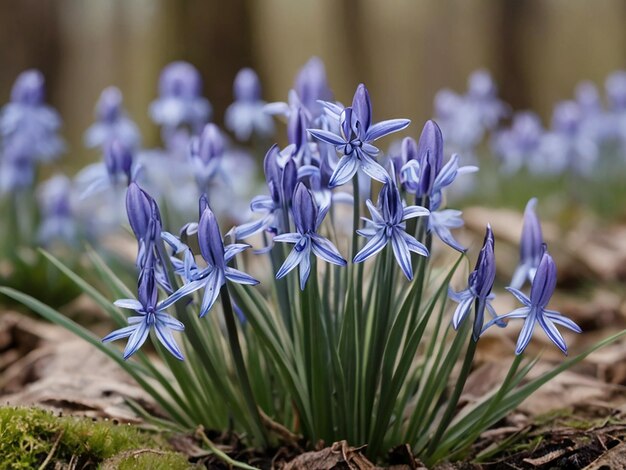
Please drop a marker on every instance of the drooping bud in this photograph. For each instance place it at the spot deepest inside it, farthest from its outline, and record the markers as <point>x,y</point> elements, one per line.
<point>247,86</point>
<point>304,209</point>
<point>210,239</point>
<point>362,107</point>
<point>29,88</point>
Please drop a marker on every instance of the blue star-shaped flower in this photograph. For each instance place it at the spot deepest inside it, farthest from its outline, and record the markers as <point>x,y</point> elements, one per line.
<point>151,316</point>
<point>354,141</point>
<point>534,310</point>
<point>307,218</point>
<point>388,225</point>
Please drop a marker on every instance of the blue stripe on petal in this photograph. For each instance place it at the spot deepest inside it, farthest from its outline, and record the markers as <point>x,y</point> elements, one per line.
<point>288,238</point>
<point>373,246</point>
<point>374,169</point>
<point>563,321</point>
<point>345,170</point>
<point>519,296</point>
<point>305,270</point>
<point>132,304</point>
<point>165,337</point>
<point>215,280</point>
<point>323,248</point>
<point>414,211</point>
<point>136,340</point>
<point>234,275</point>
<point>552,332</point>
<point>525,334</point>
<point>250,228</point>
<point>413,244</point>
<point>119,334</point>
<point>376,216</point>
<point>170,322</point>
<point>402,254</point>
<point>383,128</point>
<point>461,312</point>
<point>182,292</point>
<point>293,259</point>
<point>326,136</point>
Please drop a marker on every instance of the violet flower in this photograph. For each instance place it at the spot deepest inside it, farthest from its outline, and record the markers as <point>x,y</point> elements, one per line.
<point>307,218</point>
<point>215,275</point>
<point>519,144</point>
<point>534,310</point>
<point>247,116</point>
<point>388,225</point>
<point>532,247</point>
<point>151,316</point>
<point>112,122</point>
<point>354,140</point>
<point>57,222</point>
<point>205,154</point>
<point>478,292</point>
<point>281,180</point>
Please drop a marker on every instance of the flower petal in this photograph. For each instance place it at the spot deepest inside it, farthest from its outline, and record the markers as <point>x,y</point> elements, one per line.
<point>323,248</point>
<point>519,295</point>
<point>234,249</point>
<point>373,169</point>
<point>326,136</point>
<point>402,254</point>
<point>305,269</point>
<point>563,321</point>
<point>461,312</point>
<point>346,168</point>
<point>165,337</point>
<point>132,304</point>
<point>288,238</point>
<point>383,128</point>
<point>119,334</point>
<point>413,244</point>
<point>171,322</point>
<point>373,246</point>
<point>414,211</point>
<point>136,340</point>
<point>526,333</point>
<point>234,275</point>
<point>293,259</point>
<point>553,333</point>
<point>182,292</point>
<point>214,282</point>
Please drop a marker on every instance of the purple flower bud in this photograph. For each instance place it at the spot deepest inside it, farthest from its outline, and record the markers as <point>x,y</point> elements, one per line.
<point>118,159</point>
<point>566,117</point>
<point>588,97</point>
<point>430,157</point>
<point>28,88</point>
<point>147,291</point>
<point>409,149</point>
<point>109,107</point>
<point>139,209</point>
<point>247,86</point>
<point>273,172</point>
<point>304,210</point>
<point>210,239</point>
<point>531,245</point>
<point>180,79</point>
<point>616,90</point>
<point>296,129</point>
<point>311,85</point>
<point>390,203</point>
<point>212,143</point>
<point>482,278</point>
<point>362,107</point>
<point>289,180</point>
<point>481,86</point>
<point>544,282</point>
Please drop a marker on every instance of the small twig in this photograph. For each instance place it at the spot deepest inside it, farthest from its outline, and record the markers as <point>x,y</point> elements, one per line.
<point>52,451</point>
<point>280,430</point>
<point>220,454</point>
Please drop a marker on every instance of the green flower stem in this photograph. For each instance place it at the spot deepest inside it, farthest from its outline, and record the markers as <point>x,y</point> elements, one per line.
<point>233,339</point>
<point>220,454</point>
<point>454,398</point>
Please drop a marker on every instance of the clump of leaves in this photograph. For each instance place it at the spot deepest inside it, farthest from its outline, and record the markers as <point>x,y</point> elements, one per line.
<point>34,438</point>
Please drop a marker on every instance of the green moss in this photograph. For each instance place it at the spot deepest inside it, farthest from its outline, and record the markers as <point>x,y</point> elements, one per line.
<point>29,436</point>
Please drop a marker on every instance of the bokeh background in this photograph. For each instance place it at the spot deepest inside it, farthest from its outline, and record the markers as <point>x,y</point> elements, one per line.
<point>404,50</point>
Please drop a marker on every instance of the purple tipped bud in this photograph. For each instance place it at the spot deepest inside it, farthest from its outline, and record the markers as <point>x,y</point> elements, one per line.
<point>212,143</point>
<point>272,172</point>
<point>390,203</point>
<point>247,86</point>
<point>482,278</point>
<point>180,79</point>
<point>109,105</point>
<point>430,157</point>
<point>544,282</point>
<point>566,117</point>
<point>210,239</point>
<point>147,291</point>
<point>311,85</point>
<point>409,149</point>
<point>29,88</point>
<point>203,204</point>
<point>304,210</point>
<point>362,106</point>
<point>588,97</point>
<point>118,159</point>
<point>481,85</point>
<point>139,209</point>
<point>616,90</point>
<point>296,129</point>
<point>289,180</point>
<point>531,244</point>
<point>345,122</point>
